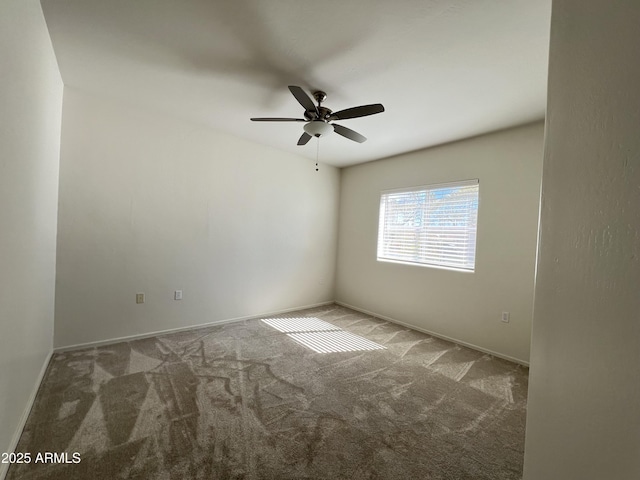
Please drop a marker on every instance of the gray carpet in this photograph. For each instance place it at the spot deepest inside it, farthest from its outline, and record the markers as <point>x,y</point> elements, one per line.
<point>249,401</point>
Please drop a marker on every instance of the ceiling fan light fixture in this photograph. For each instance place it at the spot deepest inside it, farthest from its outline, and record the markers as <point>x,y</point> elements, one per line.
<point>318,128</point>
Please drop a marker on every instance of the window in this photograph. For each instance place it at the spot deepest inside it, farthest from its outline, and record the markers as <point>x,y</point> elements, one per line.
<point>434,225</point>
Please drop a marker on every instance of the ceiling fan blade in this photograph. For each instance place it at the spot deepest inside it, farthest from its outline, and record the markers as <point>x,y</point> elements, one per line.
<point>348,133</point>
<point>275,119</point>
<point>304,138</point>
<point>361,111</point>
<point>303,98</point>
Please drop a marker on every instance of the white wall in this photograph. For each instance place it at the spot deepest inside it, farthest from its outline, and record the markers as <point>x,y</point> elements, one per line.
<point>462,306</point>
<point>153,204</point>
<point>584,394</point>
<point>30,106</point>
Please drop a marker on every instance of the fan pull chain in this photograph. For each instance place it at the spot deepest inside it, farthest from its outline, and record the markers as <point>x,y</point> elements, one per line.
<point>317,153</point>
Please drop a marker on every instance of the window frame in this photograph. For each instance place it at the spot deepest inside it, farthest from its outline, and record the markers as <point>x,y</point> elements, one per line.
<point>418,188</point>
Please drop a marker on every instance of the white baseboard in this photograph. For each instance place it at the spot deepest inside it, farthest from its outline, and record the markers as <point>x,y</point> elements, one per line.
<point>4,467</point>
<point>434,334</point>
<point>279,312</point>
<point>111,341</point>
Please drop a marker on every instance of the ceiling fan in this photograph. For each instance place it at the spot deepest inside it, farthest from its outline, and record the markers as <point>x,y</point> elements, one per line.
<point>319,119</point>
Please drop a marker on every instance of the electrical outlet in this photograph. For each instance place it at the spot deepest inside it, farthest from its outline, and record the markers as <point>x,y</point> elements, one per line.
<point>177,295</point>
<point>139,297</point>
<point>505,317</point>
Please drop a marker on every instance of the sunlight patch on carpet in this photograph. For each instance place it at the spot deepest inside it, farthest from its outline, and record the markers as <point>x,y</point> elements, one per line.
<point>334,341</point>
<point>301,324</point>
<point>321,336</point>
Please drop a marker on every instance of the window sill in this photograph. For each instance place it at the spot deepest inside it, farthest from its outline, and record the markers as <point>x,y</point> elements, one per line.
<point>414,264</point>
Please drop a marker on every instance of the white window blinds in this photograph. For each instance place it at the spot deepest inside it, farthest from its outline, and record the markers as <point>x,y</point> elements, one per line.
<point>431,225</point>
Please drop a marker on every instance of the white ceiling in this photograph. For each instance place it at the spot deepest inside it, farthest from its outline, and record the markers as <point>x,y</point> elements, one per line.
<point>444,69</point>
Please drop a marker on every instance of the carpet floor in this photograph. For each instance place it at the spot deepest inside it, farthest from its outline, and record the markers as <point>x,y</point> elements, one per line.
<point>323,393</point>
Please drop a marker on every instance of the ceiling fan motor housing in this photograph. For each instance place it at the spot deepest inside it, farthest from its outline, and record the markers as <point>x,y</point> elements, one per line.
<point>321,113</point>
